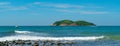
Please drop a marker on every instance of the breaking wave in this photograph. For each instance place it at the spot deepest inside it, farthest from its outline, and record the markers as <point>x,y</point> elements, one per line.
<point>23,37</point>
<point>23,32</point>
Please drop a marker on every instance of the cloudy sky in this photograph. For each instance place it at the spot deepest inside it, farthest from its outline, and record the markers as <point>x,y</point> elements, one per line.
<point>45,12</point>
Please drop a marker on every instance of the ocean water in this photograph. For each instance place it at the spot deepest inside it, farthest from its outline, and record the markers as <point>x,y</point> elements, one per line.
<point>83,35</point>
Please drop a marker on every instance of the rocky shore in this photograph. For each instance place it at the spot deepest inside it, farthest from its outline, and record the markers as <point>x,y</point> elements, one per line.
<point>36,43</point>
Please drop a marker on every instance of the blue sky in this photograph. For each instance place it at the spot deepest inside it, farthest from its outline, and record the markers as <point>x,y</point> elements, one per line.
<point>45,12</point>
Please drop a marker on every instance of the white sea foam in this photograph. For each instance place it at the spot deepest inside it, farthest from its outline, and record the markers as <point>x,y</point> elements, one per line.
<point>10,38</point>
<point>22,32</point>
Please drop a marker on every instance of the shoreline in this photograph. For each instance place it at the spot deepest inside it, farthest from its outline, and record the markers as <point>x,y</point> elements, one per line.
<point>23,37</point>
<point>57,43</point>
<point>36,43</point>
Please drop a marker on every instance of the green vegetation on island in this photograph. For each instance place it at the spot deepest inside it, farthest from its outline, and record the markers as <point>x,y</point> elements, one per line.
<point>73,23</point>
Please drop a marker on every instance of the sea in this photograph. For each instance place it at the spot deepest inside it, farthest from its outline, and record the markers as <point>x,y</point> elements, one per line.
<point>82,35</point>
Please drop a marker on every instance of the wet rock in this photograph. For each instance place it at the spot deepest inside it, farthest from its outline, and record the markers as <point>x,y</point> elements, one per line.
<point>36,44</point>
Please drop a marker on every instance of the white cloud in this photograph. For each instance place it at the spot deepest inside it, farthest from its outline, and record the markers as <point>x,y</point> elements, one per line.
<point>18,8</point>
<point>66,11</point>
<point>56,5</point>
<point>37,3</point>
<point>5,3</point>
<point>94,12</point>
<point>13,7</point>
<point>82,9</point>
<point>5,6</point>
<point>83,12</point>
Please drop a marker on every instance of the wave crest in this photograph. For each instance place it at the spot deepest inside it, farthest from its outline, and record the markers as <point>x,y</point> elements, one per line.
<point>10,38</point>
<point>23,32</point>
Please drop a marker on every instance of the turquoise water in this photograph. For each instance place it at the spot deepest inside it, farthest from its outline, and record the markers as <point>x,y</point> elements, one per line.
<point>101,35</point>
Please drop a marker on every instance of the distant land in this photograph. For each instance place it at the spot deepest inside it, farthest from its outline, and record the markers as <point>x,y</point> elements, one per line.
<point>72,23</point>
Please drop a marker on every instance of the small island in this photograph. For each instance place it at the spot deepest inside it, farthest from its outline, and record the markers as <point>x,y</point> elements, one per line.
<point>73,23</point>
